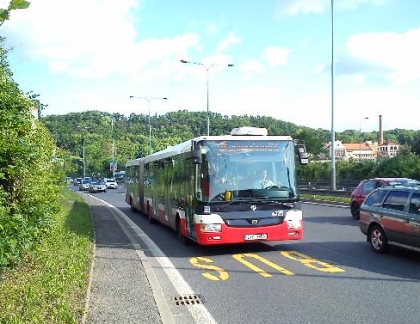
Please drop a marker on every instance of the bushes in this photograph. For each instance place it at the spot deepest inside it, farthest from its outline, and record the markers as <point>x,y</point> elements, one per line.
<point>29,172</point>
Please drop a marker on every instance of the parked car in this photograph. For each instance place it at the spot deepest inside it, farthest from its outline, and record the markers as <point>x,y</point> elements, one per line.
<point>359,194</point>
<point>97,186</point>
<point>111,183</point>
<point>390,216</point>
<point>77,181</point>
<point>84,185</point>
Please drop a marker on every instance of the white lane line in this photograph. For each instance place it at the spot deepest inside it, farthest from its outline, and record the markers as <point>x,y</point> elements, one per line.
<point>199,312</point>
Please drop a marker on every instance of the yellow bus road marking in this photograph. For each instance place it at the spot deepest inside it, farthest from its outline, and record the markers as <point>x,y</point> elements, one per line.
<point>222,274</point>
<point>241,258</point>
<point>244,258</point>
<point>311,262</point>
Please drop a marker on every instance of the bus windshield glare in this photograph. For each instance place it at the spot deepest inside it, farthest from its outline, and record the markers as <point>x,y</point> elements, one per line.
<point>246,170</point>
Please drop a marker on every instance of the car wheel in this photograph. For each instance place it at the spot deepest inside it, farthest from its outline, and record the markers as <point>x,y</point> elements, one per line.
<point>355,210</point>
<point>378,240</point>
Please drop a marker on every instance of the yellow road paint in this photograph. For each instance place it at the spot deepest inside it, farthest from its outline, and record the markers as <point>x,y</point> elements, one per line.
<point>222,274</point>
<point>311,262</point>
<point>241,258</point>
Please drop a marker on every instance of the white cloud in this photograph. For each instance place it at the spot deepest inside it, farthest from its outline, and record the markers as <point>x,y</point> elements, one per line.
<point>393,103</point>
<point>276,56</point>
<point>251,67</point>
<point>70,40</point>
<point>319,69</point>
<point>229,40</point>
<point>396,54</point>
<point>294,7</point>
<point>4,4</point>
<point>358,78</point>
<point>211,28</point>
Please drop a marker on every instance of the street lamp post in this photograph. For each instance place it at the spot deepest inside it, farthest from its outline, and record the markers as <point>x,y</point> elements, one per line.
<point>333,174</point>
<point>83,128</point>
<point>360,137</point>
<point>149,99</point>
<point>113,148</point>
<point>207,68</point>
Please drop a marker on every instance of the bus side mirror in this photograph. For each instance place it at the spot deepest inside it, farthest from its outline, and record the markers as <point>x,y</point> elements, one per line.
<point>303,155</point>
<point>195,156</point>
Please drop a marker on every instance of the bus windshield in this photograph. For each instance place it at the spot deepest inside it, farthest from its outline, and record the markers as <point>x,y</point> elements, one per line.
<point>247,170</point>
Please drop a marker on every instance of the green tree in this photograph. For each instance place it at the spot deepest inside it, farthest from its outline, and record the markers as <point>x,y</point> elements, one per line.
<point>30,177</point>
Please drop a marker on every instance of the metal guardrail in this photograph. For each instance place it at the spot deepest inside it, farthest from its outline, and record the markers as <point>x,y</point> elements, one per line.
<point>325,192</point>
<point>344,185</point>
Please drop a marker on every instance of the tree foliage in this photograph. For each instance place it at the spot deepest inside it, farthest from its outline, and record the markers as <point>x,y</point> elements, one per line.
<point>131,136</point>
<point>30,176</point>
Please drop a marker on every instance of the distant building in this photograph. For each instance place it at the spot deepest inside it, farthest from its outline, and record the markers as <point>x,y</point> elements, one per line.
<point>367,151</point>
<point>388,148</point>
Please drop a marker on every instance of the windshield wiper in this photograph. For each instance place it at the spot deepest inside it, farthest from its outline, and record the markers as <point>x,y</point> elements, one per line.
<point>238,201</point>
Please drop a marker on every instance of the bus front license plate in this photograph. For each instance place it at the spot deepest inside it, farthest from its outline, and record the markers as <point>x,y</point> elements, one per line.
<point>253,237</point>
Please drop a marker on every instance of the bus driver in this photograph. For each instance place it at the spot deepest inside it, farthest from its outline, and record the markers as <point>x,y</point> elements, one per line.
<point>263,182</point>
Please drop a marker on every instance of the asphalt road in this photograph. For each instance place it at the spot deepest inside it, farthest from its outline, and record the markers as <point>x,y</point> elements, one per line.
<point>331,276</point>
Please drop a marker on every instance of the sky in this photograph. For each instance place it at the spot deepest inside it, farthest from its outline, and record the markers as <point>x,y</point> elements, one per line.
<point>83,55</point>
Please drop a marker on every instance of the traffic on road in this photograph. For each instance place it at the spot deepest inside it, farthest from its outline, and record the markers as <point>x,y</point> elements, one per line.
<point>331,275</point>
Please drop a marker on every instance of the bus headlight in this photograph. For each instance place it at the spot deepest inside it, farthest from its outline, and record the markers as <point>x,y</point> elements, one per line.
<point>211,227</point>
<point>294,219</point>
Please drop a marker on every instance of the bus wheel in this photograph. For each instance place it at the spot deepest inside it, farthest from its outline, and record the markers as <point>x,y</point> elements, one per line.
<point>150,216</point>
<point>181,237</point>
<point>132,208</point>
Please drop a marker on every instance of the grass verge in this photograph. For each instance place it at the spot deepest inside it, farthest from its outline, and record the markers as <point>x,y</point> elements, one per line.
<point>50,286</point>
<point>326,198</point>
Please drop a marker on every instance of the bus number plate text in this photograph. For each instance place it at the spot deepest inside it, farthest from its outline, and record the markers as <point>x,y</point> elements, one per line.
<point>252,237</point>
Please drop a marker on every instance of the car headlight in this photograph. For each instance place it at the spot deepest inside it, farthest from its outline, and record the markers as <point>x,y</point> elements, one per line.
<point>211,227</point>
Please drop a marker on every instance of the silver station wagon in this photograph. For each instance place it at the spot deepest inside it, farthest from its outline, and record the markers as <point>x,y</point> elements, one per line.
<point>390,216</point>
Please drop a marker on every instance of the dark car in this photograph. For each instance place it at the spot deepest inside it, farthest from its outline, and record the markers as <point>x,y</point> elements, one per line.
<point>390,216</point>
<point>359,194</point>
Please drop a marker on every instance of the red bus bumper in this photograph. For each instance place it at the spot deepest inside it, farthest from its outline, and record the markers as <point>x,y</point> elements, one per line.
<point>236,235</point>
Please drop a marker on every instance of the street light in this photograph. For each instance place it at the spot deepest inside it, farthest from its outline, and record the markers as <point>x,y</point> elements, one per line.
<point>149,99</point>
<point>360,136</point>
<point>83,128</point>
<point>113,148</point>
<point>333,175</point>
<point>207,68</point>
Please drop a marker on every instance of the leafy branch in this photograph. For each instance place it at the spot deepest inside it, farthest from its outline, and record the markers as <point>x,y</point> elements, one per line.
<point>13,5</point>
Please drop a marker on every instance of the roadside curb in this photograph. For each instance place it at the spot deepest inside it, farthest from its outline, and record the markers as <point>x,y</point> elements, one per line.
<point>91,267</point>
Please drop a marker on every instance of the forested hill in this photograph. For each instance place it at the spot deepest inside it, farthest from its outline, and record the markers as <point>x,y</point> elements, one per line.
<point>131,134</point>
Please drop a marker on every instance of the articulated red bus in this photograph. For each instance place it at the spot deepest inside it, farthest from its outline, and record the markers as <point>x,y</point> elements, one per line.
<point>222,189</point>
